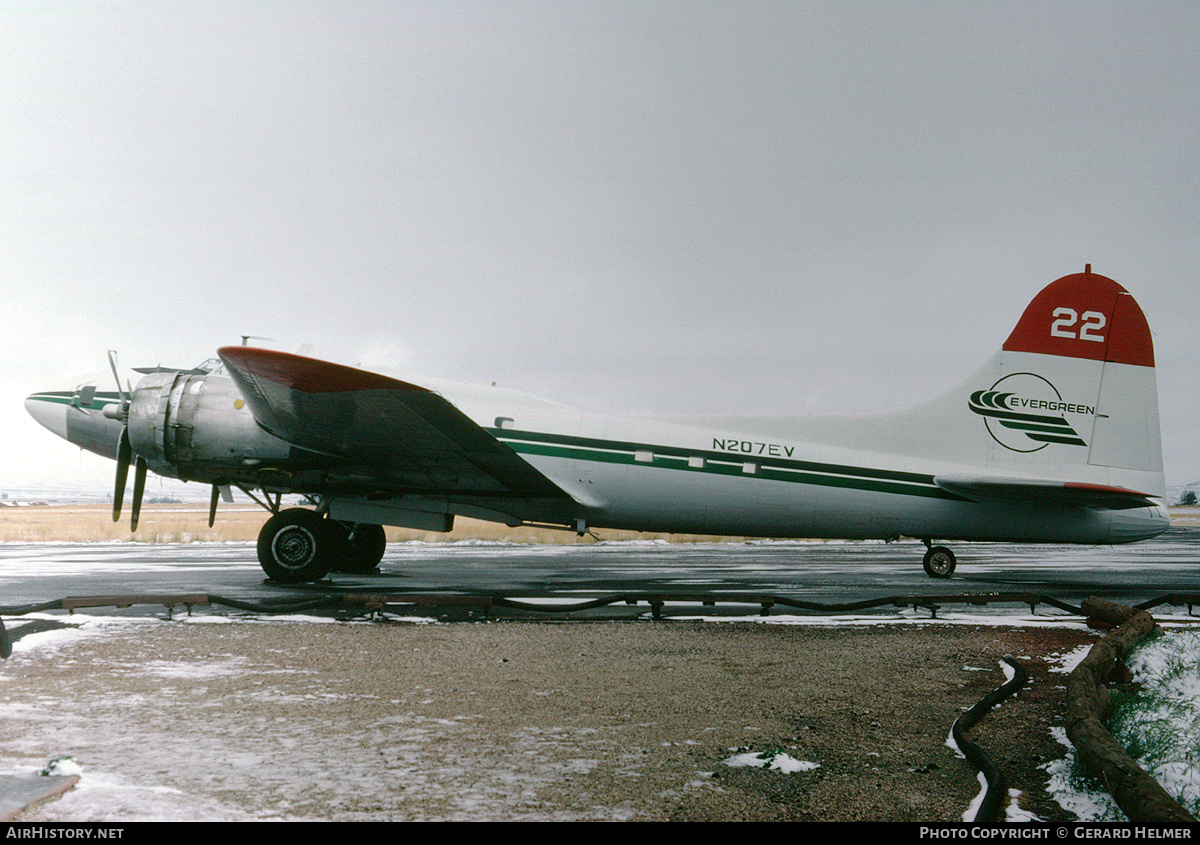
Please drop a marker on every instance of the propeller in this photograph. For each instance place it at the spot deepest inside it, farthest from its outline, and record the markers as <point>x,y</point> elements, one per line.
<point>125,455</point>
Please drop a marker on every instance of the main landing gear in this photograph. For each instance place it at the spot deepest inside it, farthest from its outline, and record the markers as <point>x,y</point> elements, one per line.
<point>939,561</point>
<point>298,545</point>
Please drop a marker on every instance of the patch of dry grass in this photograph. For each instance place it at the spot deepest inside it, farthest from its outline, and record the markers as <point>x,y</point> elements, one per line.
<point>1185,517</point>
<point>188,523</point>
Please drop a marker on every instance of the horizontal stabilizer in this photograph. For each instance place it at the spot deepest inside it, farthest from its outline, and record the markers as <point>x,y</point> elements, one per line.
<point>989,488</point>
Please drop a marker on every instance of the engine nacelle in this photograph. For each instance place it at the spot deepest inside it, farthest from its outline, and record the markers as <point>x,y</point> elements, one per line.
<point>198,427</point>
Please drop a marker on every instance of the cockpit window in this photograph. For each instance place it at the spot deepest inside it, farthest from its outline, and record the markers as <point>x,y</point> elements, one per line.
<point>213,366</point>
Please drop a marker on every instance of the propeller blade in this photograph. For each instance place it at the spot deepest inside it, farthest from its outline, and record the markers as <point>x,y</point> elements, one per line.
<point>112,363</point>
<point>124,458</point>
<point>212,505</point>
<point>139,487</point>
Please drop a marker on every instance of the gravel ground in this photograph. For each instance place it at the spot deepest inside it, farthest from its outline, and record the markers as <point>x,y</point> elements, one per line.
<point>529,720</point>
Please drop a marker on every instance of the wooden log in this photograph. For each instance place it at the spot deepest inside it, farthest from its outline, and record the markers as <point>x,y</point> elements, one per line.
<point>1138,795</point>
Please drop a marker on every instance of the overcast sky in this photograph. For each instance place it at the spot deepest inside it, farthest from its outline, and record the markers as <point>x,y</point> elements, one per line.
<point>643,207</point>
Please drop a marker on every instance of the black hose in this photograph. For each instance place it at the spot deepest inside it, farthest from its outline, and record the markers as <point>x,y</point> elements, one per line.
<point>275,606</point>
<point>334,598</point>
<point>993,798</point>
<point>22,609</point>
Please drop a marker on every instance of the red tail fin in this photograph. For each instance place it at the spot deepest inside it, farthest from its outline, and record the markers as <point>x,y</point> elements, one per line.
<point>1085,315</point>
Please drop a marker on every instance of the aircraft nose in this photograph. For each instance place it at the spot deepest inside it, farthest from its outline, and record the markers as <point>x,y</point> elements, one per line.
<point>50,410</point>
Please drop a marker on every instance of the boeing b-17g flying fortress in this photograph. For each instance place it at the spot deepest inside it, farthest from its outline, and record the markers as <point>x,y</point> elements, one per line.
<point>1055,439</point>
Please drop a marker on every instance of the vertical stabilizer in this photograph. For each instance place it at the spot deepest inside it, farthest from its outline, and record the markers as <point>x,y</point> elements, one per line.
<point>1075,394</point>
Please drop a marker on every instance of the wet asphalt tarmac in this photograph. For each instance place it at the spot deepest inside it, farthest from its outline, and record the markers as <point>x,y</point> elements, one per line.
<point>819,577</point>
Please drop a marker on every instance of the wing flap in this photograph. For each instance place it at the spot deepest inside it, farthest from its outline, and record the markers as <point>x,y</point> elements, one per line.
<point>989,488</point>
<point>408,434</point>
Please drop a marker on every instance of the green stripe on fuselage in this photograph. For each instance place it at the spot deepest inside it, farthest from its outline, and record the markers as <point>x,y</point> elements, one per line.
<point>67,397</point>
<point>722,463</point>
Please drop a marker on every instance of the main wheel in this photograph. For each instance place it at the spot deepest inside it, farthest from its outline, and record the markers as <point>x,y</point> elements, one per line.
<point>296,545</point>
<point>360,549</point>
<point>939,562</point>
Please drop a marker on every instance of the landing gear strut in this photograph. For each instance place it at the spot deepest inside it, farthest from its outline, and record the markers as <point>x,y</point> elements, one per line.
<point>939,561</point>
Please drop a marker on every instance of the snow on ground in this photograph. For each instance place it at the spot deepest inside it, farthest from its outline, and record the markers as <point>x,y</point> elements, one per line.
<point>101,795</point>
<point>226,777</point>
<point>1162,722</point>
<point>1159,727</point>
<point>776,760</point>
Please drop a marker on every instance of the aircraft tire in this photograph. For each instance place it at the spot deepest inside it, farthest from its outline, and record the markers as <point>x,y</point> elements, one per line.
<point>939,562</point>
<point>362,554</point>
<point>295,546</point>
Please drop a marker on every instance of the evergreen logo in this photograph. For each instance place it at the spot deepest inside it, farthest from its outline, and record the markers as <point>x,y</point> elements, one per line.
<point>1025,413</point>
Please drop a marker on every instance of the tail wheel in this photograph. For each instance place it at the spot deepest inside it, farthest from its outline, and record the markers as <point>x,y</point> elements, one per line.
<point>359,549</point>
<point>296,545</point>
<point>939,562</point>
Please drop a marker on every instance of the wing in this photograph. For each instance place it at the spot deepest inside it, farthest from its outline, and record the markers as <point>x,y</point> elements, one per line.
<point>982,488</point>
<point>409,436</point>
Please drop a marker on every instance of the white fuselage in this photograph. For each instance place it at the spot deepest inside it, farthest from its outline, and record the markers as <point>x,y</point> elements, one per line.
<point>701,477</point>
